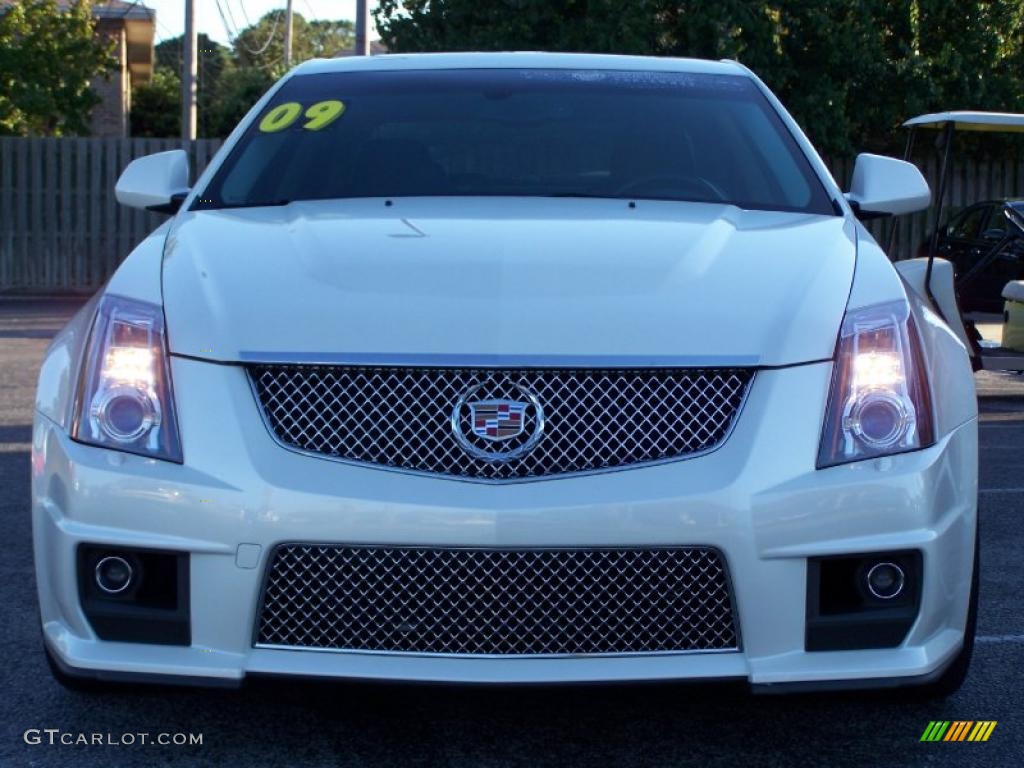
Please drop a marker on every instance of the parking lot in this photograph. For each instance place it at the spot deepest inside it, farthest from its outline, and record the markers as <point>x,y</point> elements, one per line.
<point>286,724</point>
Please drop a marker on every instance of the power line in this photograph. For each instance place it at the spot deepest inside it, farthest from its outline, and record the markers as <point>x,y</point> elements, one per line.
<point>167,33</point>
<point>245,14</point>
<point>129,8</point>
<point>270,38</point>
<point>227,27</point>
<point>231,16</point>
<point>272,63</point>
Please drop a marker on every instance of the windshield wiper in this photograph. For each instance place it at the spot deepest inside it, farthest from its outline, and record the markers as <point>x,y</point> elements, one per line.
<point>584,194</point>
<point>246,204</point>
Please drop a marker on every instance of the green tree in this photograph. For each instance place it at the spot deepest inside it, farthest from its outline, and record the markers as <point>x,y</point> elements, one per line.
<point>600,26</point>
<point>850,70</point>
<point>261,45</point>
<point>156,106</point>
<point>240,88</point>
<point>230,80</point>
<point>257,59</point>
<point>48,56</point>
<point>213,60</point>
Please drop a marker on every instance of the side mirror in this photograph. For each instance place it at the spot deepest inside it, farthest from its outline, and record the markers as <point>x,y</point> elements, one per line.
<point>155,182</point>
<point>993,234</point>
<point>885,186</point>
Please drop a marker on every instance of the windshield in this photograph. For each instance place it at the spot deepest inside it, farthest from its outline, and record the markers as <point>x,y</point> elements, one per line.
<point>518,132</point>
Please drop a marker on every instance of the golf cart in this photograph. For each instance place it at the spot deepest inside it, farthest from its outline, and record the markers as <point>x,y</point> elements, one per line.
<point>934,276</point>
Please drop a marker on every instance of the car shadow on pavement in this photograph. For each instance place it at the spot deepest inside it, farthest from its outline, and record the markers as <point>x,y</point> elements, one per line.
<point>427,724</point>
<point>285,722</point>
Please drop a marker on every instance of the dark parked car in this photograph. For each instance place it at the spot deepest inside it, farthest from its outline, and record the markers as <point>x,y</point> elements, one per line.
<point>966,239</point>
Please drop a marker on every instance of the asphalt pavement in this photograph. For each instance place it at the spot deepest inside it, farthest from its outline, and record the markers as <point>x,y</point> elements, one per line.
<point>298,724</point>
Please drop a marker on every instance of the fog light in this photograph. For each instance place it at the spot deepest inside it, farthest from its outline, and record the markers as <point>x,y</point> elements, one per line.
<point>885,580</point>
<point>113,575</point>
<point>135,595</point>
<point>862,600</point>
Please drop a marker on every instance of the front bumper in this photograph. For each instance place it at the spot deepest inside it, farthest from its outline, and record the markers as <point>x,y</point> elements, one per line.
<point>758,499</point>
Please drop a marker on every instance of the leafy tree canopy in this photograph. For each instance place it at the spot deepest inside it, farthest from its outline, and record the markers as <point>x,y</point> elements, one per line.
<point>240,89</point>
<point>849,70</point>
<point>48,55</point>
<point>261,45</point>
<point>150,116</point>
<point>230,79</point>
<point>156,106</point>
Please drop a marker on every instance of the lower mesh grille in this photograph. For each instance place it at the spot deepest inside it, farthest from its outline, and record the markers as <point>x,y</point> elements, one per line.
<point>497,601</point>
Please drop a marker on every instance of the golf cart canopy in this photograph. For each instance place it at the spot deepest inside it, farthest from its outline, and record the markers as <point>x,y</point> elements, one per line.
<point>993,359</point>
<point>1003,122</point>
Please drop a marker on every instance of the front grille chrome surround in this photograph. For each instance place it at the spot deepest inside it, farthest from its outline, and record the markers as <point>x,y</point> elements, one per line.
<point>401,418</point>
<point>497,602</point>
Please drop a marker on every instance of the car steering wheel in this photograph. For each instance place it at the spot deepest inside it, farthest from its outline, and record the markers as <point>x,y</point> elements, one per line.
<point>655,178</point>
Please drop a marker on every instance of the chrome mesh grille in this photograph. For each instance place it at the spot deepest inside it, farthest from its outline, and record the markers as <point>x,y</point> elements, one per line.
<point>497,601</point>
<point>592,419</point>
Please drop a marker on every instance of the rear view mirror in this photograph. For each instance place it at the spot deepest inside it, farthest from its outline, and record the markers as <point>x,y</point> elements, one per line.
<point>885,186</point>
<point>155,182</point>
<point>1014,213</point>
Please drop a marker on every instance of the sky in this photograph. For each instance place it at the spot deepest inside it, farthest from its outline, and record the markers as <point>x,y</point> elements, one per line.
<point>170,14</point>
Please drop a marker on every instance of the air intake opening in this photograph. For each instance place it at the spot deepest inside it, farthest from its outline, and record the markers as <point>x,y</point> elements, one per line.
<point>497,601</point>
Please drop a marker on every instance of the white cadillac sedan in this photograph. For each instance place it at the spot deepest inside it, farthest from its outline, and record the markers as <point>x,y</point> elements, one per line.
<point>511,368</point>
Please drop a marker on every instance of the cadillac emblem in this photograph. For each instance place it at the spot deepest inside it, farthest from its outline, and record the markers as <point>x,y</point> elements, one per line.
<point>497,428</point>
<point>497,419</point>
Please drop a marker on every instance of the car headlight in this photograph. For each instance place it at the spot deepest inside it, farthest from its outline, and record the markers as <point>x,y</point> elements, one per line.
<point>879,402</point>
<point>124,398</point>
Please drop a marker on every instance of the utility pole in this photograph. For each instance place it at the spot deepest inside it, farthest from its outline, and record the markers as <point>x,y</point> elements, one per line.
<point>188,75</point>
<point>362,28</point>
<point>288,36</point>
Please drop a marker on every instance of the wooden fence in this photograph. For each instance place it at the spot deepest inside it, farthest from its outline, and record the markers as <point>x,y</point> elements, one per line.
<point>61,229</point>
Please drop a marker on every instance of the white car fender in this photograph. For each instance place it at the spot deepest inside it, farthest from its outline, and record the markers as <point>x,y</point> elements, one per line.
<point>138,277</point>
<point>946,357</point>
<point>58,374</point>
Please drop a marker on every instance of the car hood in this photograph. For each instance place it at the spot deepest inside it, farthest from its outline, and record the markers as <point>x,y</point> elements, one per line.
<point>554,280</point>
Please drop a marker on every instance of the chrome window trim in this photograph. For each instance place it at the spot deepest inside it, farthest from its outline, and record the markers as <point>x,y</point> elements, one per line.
<point>497,481</point>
